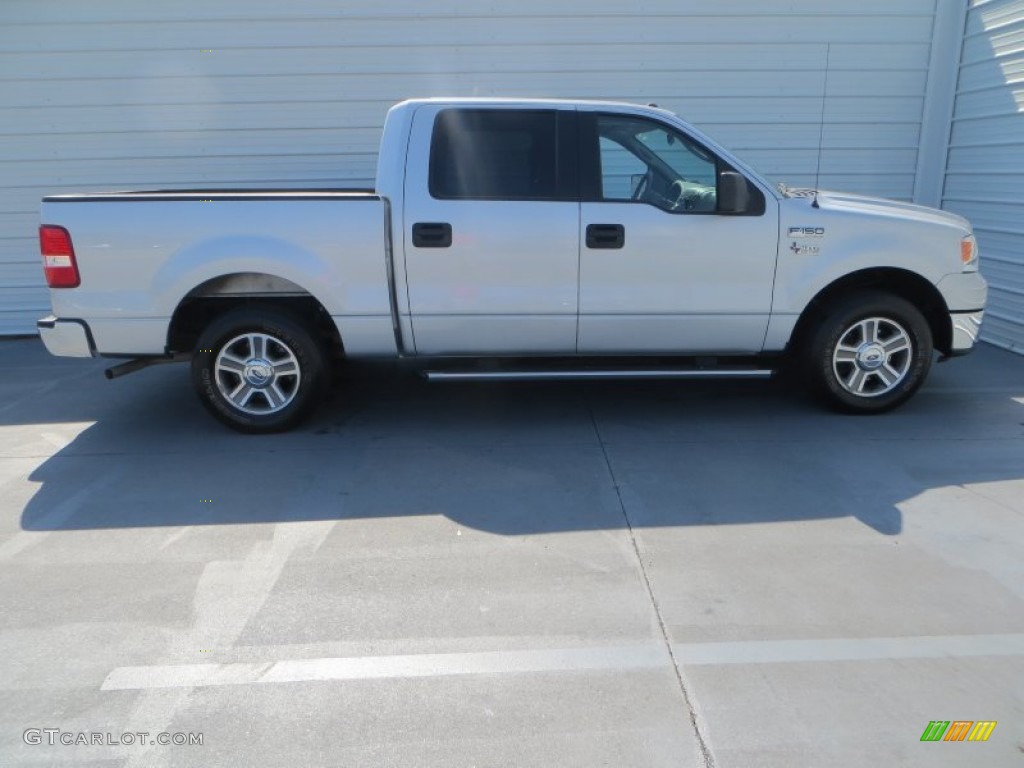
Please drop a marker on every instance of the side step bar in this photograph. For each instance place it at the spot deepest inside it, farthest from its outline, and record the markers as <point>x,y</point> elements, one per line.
<point>600,375</point>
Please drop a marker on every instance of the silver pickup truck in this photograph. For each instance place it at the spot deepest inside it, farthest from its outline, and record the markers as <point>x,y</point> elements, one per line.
<point>553,239</point>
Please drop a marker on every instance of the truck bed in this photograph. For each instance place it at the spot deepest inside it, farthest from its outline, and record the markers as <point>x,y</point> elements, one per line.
<point>138,263</point>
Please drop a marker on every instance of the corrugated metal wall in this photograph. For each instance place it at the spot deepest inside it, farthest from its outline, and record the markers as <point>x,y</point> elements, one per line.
<point>985,172</point>
<point>120,93</point>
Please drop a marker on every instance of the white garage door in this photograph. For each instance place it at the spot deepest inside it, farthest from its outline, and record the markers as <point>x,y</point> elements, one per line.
<point>985,173</point>
<point>119,93</point>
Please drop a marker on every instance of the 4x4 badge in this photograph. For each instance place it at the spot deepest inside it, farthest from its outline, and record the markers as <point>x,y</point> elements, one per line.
<point>805,250</point>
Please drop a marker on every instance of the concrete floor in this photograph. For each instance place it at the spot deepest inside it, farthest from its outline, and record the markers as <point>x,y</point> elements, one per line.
<point>628,574</point>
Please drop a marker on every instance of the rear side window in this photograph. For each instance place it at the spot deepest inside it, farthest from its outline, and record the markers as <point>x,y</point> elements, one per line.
<point>490,154</point>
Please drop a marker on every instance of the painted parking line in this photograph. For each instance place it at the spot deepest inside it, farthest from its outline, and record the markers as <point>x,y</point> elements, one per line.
<point>614,658</point>
<point>378,667</point>
<point>851,649</point>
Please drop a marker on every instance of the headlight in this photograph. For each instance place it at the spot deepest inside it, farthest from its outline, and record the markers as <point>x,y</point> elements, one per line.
<point>969,253</point>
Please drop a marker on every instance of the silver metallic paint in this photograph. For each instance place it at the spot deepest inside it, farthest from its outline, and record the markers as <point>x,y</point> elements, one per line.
<point>509,283</point>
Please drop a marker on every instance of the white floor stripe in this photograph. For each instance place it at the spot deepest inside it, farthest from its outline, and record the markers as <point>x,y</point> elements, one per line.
<point>375,667</point>
<point>562,660</point>
<point>860,649</point>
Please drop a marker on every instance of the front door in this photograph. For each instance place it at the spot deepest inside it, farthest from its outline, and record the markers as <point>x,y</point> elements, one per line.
<point>662,270</point>
<point>491,232</point>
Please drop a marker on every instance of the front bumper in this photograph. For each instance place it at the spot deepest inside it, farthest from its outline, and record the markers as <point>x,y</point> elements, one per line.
<point>965,294</point>
<point>966,326</point>
<point>66,338</point>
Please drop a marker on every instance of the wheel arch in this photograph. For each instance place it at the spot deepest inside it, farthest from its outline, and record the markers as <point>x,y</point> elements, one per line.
<point>908,285</point>
<point>215,296</point>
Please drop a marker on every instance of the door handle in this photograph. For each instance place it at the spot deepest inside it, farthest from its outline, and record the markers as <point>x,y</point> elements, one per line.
<point>606,236</point>
<point>432,235</point>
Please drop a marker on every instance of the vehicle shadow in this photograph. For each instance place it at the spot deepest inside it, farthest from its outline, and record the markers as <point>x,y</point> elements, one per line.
<point>515,458</point>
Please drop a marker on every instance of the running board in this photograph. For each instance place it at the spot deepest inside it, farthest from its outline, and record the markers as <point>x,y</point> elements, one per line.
<point>603,375</point>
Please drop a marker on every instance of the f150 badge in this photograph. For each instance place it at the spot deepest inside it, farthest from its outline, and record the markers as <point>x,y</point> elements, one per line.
<point>796,233</point>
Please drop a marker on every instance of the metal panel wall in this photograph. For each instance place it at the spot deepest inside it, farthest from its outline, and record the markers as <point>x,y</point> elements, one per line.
<point>121,94</point>
<point>985,171</point>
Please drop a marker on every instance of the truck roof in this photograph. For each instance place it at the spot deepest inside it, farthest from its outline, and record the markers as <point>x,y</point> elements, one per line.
<point>530,102</point>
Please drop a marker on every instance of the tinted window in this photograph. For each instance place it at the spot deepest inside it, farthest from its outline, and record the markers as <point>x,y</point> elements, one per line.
<point>494,155</point>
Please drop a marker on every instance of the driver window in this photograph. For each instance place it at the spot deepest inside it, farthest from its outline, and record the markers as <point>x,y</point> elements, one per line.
<point>648,162</point>
<point>621,170</point>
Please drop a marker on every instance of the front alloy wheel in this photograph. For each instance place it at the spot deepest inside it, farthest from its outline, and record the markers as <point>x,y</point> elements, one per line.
<point>872,357</point>
<point>870,353</point>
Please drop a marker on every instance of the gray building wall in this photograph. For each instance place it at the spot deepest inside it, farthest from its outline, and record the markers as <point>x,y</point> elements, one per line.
<point>985,171</point>
<point>116,94</point>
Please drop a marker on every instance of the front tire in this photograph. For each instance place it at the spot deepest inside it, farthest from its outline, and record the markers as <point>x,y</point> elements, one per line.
<point>258,370</point>
<point>870,353</point>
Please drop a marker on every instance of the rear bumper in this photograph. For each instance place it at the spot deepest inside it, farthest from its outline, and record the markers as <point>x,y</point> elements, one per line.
<point>966,326</point>
<point>66,338</point>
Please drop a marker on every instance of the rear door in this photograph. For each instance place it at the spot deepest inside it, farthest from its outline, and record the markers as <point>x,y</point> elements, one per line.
<point>491,231</point>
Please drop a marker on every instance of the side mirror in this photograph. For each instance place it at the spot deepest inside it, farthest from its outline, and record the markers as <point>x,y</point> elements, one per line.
<point>733,192</point>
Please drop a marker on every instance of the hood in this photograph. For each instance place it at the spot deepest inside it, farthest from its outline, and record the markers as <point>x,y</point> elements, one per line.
<point>880,206</point>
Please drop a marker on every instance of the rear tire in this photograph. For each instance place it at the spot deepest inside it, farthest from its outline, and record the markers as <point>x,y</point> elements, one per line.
<point>259,370</point>
<point>869,353</point>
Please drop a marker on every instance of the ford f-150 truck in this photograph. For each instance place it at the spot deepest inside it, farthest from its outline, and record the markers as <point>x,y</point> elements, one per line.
<point>553,239</point>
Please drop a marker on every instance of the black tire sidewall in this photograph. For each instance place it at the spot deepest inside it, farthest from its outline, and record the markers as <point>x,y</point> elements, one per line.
<point>274,323</point>
<point>836,322</point>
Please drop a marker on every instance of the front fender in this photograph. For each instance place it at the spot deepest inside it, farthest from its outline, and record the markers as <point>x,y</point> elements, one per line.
<point>853,243</point>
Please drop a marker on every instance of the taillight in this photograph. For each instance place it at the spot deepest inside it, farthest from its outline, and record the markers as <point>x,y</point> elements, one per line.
<point>58,257</point>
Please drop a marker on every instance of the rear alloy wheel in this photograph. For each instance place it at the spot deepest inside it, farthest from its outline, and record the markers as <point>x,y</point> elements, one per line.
<point>257,373</point>
<point>870,353</point>
<point>258,370</point>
